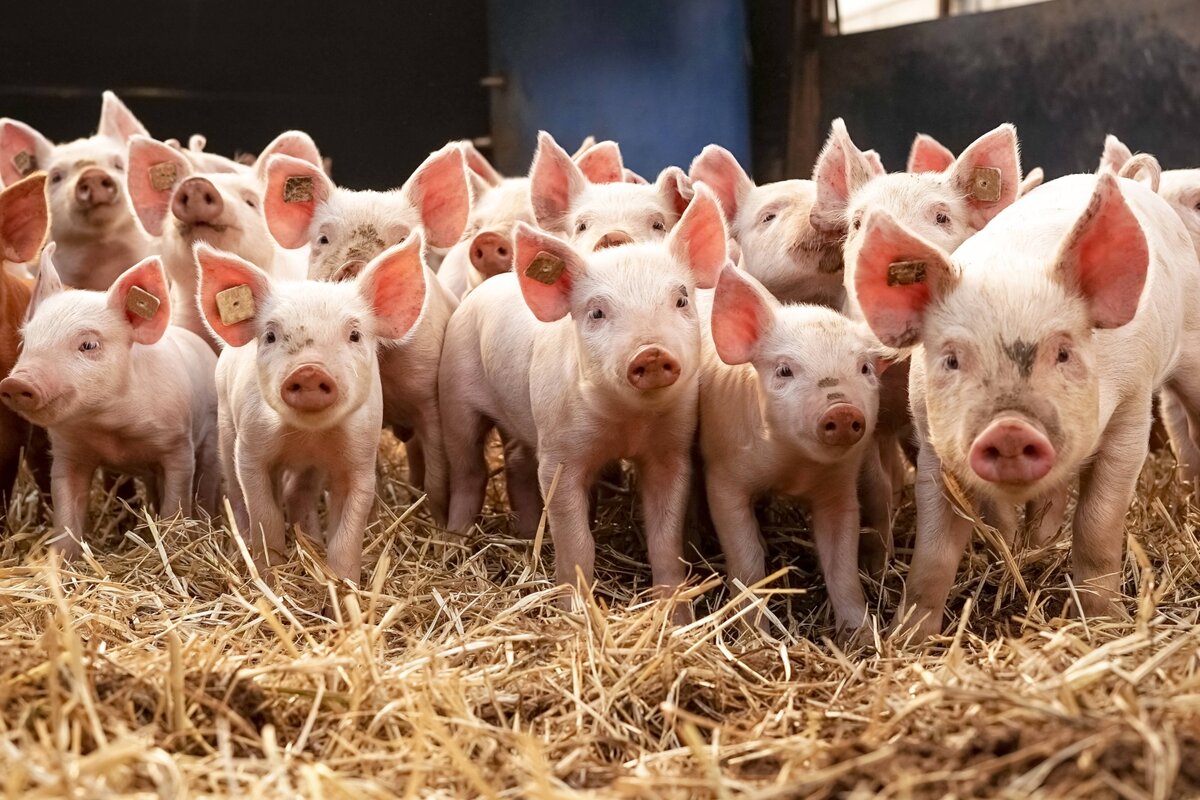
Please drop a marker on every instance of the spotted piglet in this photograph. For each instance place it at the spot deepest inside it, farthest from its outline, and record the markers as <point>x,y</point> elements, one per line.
<point>299,390</point>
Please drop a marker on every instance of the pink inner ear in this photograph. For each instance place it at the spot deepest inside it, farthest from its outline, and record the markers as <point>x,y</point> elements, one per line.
<point>149,276</point>
<point>24,218</point>
<point>1108,256</point>
<point>895,313</point>
<point>601,163</point>
<point>700,240</point>
<point>548,302</point>
<point>720,171</point>
<point>150,203</point>
<point>221,271</point>
<point>17,138</point>
<point>840,170</point>
<point>478,164</point>
<point>441,192</point>
<point>554,182</point>
<point>289,222</point>
<point>395,287</point>
<point>998,150</point>
<point>929,155</point>
<point>117,121</point>
<point>740,317</point>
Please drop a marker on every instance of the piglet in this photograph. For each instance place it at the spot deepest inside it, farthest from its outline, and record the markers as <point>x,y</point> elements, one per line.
<point>1040,345</point>
<point>780,247</point>
<point>117,388</point>
<point>91,222</point>
<point>176,201</point>
<point>580,359</point>
<point>299,391</point>
<point>24,220</point>
<point>788,399</point>
<point>346,230</point>
<point>591,216</point>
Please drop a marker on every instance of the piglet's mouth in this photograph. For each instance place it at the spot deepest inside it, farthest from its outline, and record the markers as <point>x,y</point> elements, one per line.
<point>200,229</point>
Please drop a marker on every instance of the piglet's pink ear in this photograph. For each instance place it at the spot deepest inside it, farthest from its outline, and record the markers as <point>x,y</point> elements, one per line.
<point>23,151</point>
<point>394,286</point>
<point>742,313</point>
<point>24,219</point>
<point>117,121</point>
<point>699,240</point>
<point>232,292</point>
<point>155,169</point>
<point>1105,256</point>
<point>554,183</point>
<point>296,144</point>
<point>1033,180</point>
<point>441,194</point>
<point>1115,154</point>
<point>478,164</point>
<point>601,163</point>
<point>294,190</point>
<point>721,172</point>
<point>840,171</point>
<point>897,276</point>
<point>675,188</point>
<point>141,295</point>
<point>929,155</point>
<point>47,283</point>
<point>547,269</point>
<point>988,174</point>
<point>875,161</point>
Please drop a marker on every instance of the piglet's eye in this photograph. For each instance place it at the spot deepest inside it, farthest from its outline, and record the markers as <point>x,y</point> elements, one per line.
<point>866,368</point>
<point>768,217</point>
<point>660,226</point>
<point>951,362</point>
<point>581,227</point>
<point>89,346</point>
<point>784,371</point>
<point>322,239</point>
<point>1064,355</point>
<point>681,302</point>
<point>943,218</point>
<point>270,337</point>
<point>355,336</point>
<point>596,313</point>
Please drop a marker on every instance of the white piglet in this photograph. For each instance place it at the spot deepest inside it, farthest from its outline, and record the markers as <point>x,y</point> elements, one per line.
<point>582,359</point>
<point>788,401</point>
<point>117,388</point>
<point>1041,341</point>
<point>780,247</point>
<point>90,219</point>
<point>183,206</point>
<point>299,391</point>
<point>346,230</point>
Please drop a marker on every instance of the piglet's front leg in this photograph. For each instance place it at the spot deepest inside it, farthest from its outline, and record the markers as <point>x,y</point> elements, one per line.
<point>70,488</point>
<point>178,470</point>
<point>350,500</point>
<point>567,511</point>
<point>665,483</point>
<point>265,533</point>
<point>835,528</point>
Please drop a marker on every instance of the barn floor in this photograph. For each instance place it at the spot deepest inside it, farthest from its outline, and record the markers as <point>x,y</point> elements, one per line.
<point>156,668</point>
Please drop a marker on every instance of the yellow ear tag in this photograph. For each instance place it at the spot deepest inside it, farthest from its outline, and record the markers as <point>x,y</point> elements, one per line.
<point>235,304</point>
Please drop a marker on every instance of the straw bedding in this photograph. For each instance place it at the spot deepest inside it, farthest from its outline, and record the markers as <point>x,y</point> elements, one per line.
<point>158,667</point>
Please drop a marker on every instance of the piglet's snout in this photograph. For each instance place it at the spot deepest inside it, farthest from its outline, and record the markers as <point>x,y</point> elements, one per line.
<point>491,253</point>
<point>842,425</point>
<point>95,187</point>
<point>1010,450</point>
<point>652,368</point>
<point>614,239</point>
<point>197,200</point>
<point>21,395</point>
<point>309,388</point>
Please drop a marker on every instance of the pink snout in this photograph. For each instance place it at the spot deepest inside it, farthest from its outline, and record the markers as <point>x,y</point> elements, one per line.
<point>491,253</point>
<point>310,389</point>
<point>197,201</point>
<point>1011,450</point>
<point>652,368</point>
<point>841,425</point>
<point>95,188</point>
<point>21,395</point>
<point>614,239</point>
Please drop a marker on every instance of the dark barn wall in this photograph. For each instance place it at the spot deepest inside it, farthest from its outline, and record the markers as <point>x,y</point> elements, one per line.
<point>1065,72</point>
<point>377,84</point>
